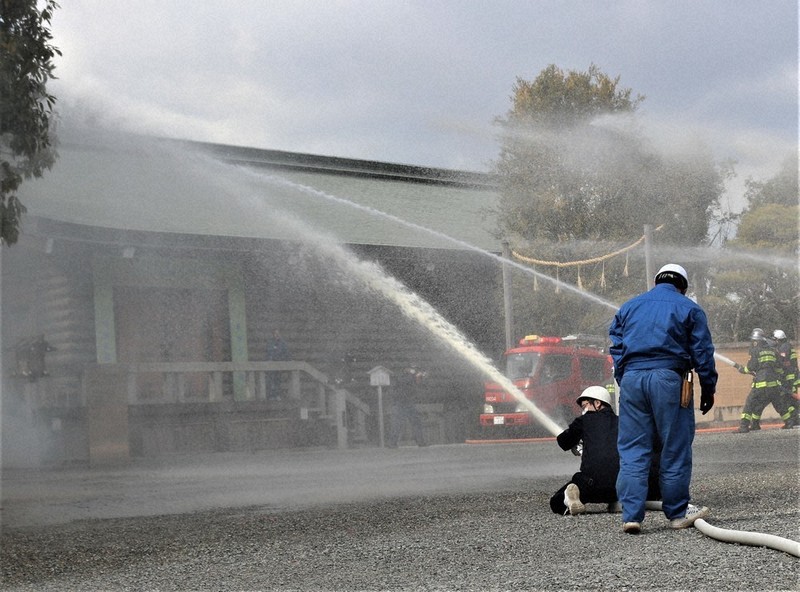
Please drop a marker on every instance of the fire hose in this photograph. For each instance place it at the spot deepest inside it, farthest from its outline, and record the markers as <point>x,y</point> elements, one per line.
<point>742,537</point>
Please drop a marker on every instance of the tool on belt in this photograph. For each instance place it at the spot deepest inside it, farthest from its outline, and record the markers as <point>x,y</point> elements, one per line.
<point>687,389</point>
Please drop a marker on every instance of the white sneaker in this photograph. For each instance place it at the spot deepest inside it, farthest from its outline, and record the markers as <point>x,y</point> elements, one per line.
<point>692,513</point>
<point>572,499</point>
<point>631,528</point>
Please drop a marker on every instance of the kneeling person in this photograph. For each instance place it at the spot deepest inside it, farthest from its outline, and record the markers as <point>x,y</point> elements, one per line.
<point>596,480</point>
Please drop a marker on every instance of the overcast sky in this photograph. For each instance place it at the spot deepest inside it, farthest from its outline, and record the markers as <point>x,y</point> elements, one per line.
<point>420,82</point>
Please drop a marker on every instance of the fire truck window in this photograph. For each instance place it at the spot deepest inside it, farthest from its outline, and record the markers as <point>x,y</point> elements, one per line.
<point>555,368</point>
<point>521,365</point>
<point>593,370</point>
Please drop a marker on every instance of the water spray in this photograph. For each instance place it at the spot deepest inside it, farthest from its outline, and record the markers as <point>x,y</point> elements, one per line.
<point>417,309</point>
<point>280,181</point>
<point>410,304</point>
<point>724,359</point>
<point>507,385</point>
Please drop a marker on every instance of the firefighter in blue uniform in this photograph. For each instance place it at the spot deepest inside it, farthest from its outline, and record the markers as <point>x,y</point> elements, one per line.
<point>655,338</point>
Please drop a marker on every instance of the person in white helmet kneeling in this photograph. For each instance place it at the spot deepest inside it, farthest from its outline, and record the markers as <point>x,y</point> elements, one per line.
<point>593,436</point>
<point>595,431</point>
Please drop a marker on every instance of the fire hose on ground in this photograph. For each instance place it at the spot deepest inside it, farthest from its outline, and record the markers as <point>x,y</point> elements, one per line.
<point>742,537</point>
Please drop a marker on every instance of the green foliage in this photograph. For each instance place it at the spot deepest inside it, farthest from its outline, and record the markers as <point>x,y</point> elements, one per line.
<point>782,189</point>
<point>561,100</point>
<point>26,109</point>
<point>770,220</point>
<point>758,283</point>
<point>769,226</point>
<point>747,294</point>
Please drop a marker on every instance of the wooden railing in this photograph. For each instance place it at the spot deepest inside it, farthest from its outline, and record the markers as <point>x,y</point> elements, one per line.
<point>252,379</point>
<point>192,382</point>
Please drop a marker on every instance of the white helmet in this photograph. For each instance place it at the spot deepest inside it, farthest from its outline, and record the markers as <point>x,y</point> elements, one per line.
<point>669,271</point>
<point>599,393</point>
<point>758,334</point>
<point>778,334</point>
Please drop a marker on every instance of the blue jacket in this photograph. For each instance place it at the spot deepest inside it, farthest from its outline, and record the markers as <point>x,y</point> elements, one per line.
<point>662,328</point>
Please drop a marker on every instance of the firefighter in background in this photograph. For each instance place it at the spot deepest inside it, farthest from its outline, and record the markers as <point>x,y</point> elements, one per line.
<point>406,391</point>
<point>787,356</point>
<point>766,370</point>
<point>277,351</point>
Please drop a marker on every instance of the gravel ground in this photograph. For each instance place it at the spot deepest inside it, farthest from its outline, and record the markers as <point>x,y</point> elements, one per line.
<point>506,539</point>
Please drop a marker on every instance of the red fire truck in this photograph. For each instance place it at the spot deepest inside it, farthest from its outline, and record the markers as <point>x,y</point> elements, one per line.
<point>551,372</point>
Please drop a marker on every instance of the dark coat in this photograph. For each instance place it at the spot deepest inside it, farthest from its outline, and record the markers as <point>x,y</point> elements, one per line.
<point>277,350</point>
<point>406,389</point>
<point>598,430</point>
<point>765,365</point>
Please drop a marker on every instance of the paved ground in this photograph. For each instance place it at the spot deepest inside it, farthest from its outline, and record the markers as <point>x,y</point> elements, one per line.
<point>466,517</point>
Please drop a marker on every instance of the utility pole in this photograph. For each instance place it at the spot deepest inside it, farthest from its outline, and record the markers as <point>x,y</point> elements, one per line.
<point>508,300</point>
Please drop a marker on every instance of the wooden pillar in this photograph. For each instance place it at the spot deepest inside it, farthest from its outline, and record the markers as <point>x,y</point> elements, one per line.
<point>340,413</point>
<point>508,300</point>
<point>107,413</point>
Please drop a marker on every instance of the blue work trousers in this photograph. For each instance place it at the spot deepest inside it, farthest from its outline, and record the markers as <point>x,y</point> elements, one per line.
<point>650,409</point>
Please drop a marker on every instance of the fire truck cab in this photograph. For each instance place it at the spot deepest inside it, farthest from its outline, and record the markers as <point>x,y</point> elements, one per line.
<point>551,372</point>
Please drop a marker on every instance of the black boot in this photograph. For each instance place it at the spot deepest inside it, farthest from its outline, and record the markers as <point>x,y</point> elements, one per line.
<point>744,427</point>
<point>755,425</point>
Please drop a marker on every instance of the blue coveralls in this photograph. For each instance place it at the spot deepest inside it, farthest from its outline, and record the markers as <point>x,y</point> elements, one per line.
<point>655,338</point>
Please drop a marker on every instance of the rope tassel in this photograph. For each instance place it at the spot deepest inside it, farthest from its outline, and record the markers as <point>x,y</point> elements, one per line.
<point>599,259</point>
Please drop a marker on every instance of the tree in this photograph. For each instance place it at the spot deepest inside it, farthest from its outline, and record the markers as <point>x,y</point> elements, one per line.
<point>574,165</point>
<point>26,109</point>
<point>757,285</point>
<point>547,165</point>
<point>770,226</point>
<point>578,179</point>
<point>780,189</point>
